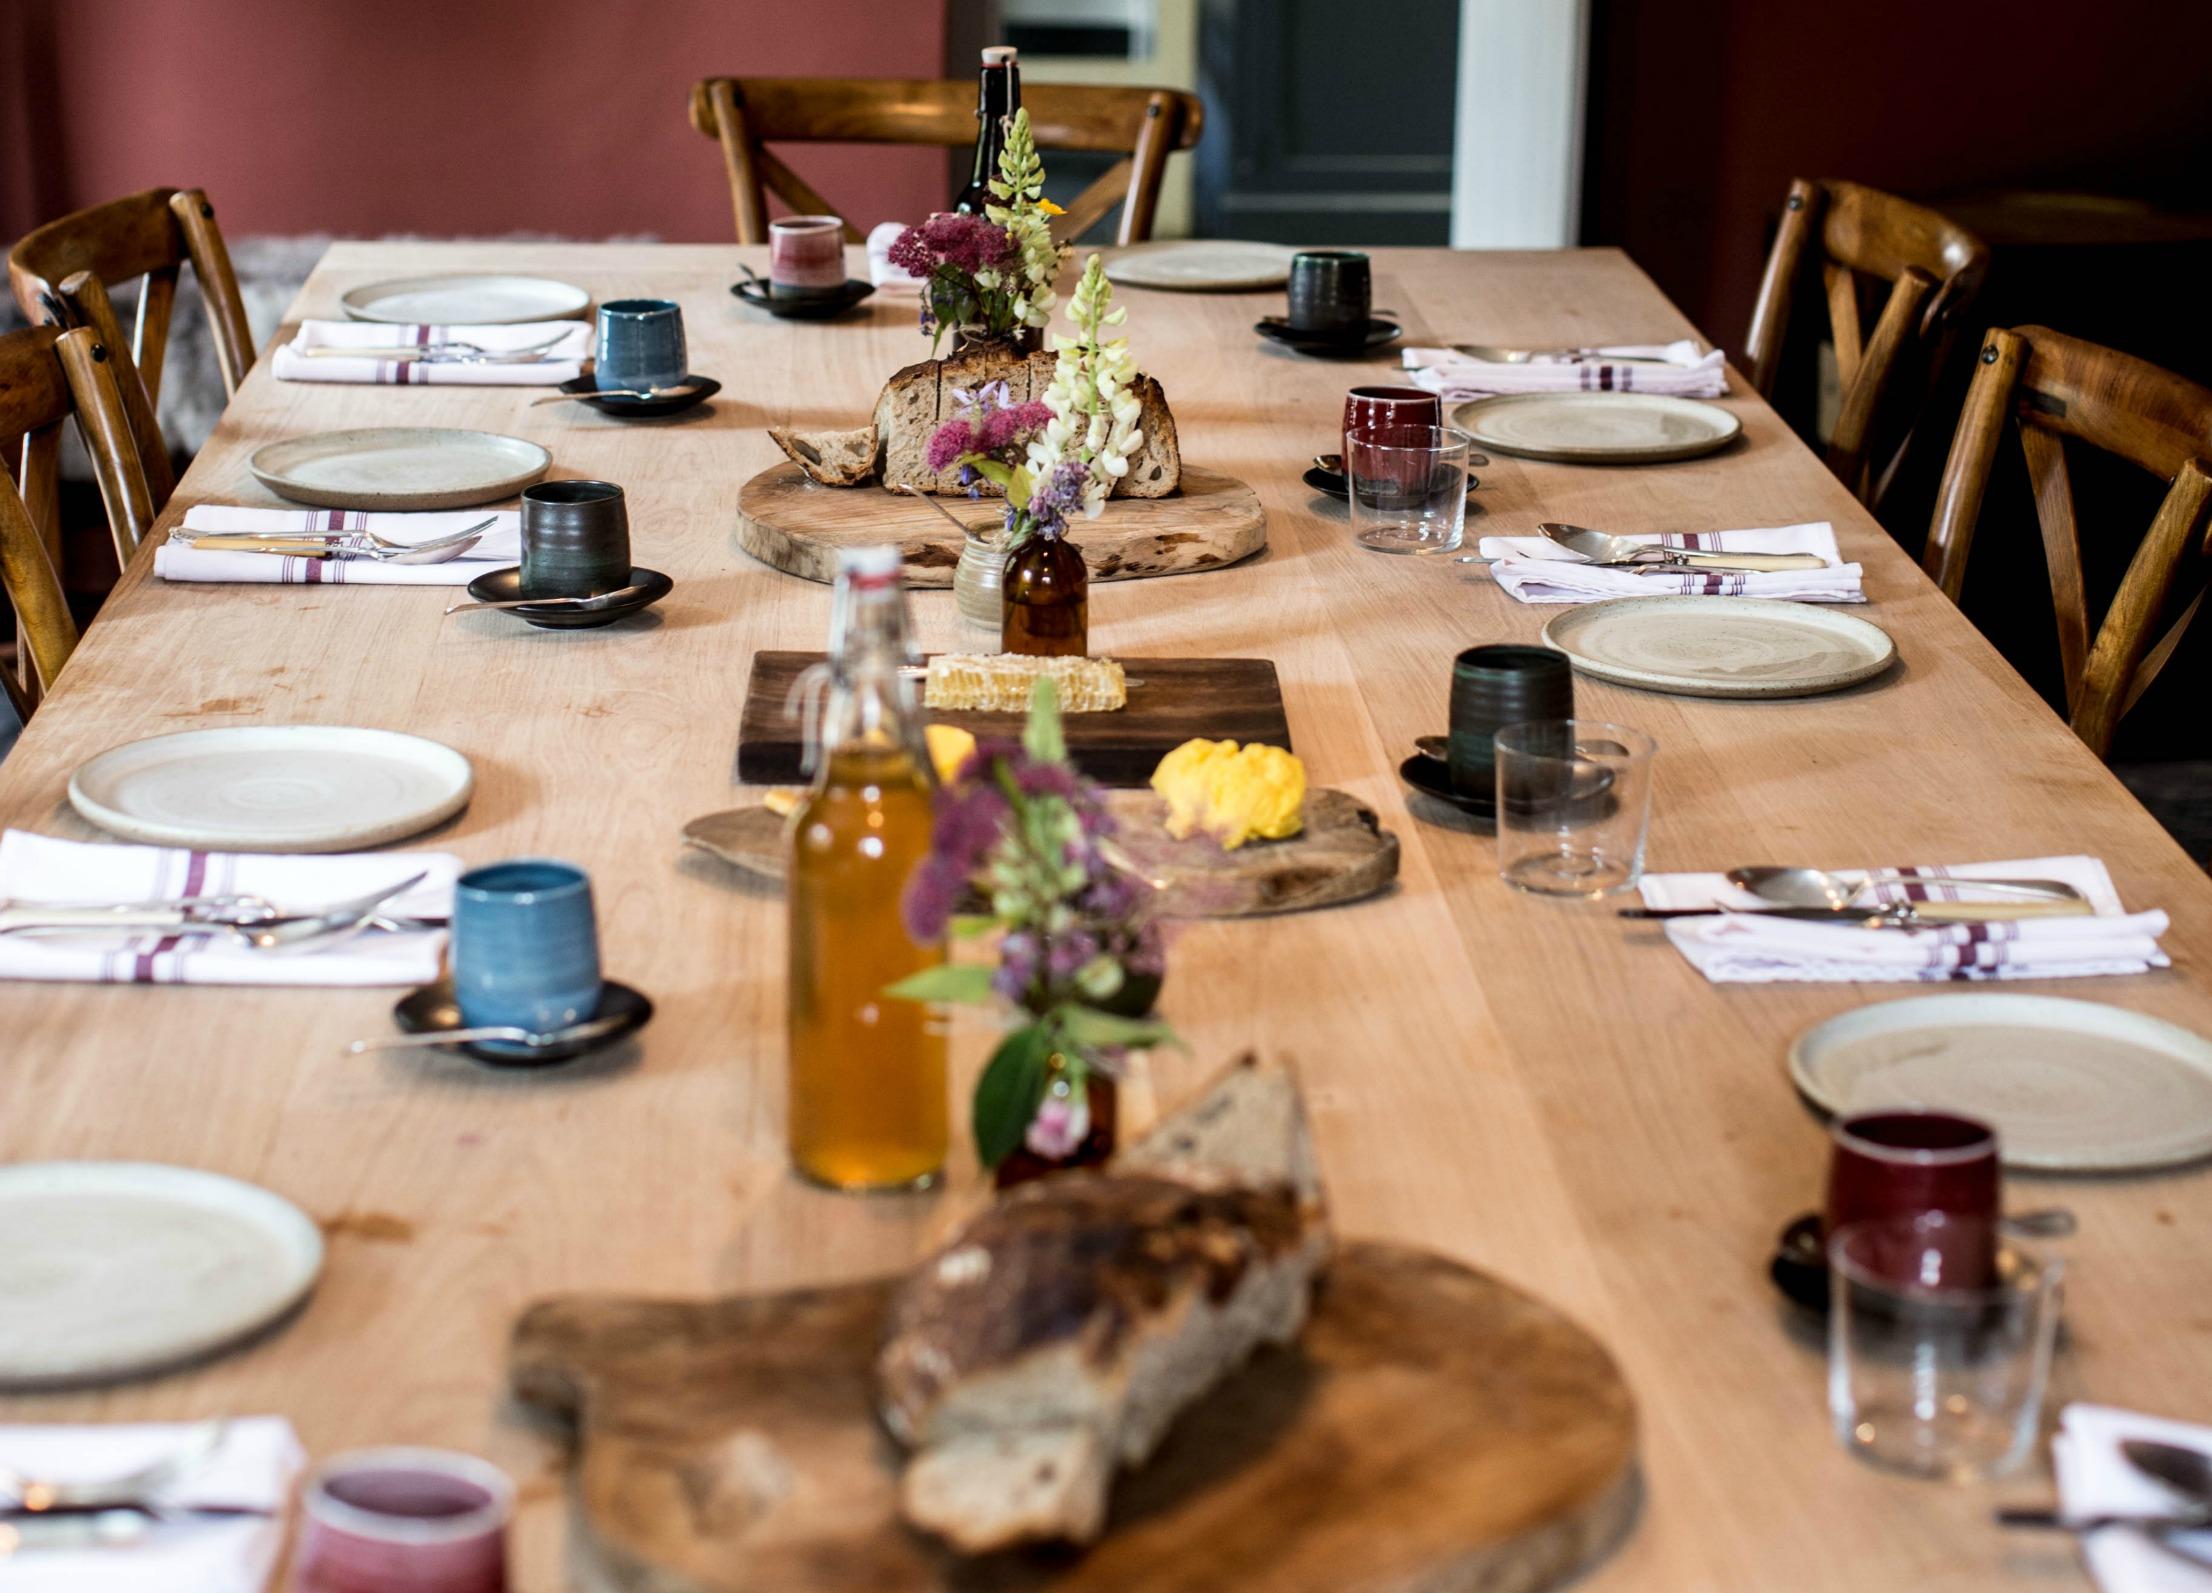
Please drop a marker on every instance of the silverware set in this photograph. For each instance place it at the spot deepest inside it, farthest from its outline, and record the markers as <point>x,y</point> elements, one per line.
<point>61,1513</point>
<point>347,544</point>
<point>1810,895</point>
<point>247,921</point>
<point>2187,1473</point>
<point>453,351</point>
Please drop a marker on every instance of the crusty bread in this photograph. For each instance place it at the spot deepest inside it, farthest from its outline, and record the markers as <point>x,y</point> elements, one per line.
<point>1156,468</point>
<point>1062,1331</point>
<point>834,458</point>
<point>906,413</point>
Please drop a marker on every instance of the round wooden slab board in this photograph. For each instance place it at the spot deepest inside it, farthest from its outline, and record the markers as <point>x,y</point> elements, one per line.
<point>1433,1429</point>
<point>799,525</point>
<point>1342,855</point>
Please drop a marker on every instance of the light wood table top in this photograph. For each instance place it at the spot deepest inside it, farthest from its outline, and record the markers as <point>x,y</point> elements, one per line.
<point>1530,1085</point>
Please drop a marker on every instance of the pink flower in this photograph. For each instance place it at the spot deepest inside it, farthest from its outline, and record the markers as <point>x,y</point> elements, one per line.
<point>966,243</point>
<point>1063,1121</point>
<point>1004,428</point>
<point>949,441</point>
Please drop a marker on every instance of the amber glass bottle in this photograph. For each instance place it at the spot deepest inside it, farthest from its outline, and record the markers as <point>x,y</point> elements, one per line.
<point>1046,598</point>
<point>1096,1149</point>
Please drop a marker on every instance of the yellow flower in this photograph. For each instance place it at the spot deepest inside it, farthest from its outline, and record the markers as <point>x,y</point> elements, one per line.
<point>1233,794</point>
<point>949,748</point>
<point>1049,208</point>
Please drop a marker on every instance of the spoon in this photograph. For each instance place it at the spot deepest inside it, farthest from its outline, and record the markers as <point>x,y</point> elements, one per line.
<point>2187,1471</point>
<point>1812,887</point>
<point>1437,747</point>
<point>316,545</point>
<point>578,605</point>
<point>678,391</point>
<point>316,931</point>
<point>1491,354</point>
<point>1602,548</point>
<point>589,1029</point>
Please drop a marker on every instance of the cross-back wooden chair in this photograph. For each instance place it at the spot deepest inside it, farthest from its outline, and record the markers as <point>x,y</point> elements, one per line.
<point>745,114</point>
<point>1865,237</point>
<point>61,273</point>
<point>46,375</point>
<point>2054,389</point>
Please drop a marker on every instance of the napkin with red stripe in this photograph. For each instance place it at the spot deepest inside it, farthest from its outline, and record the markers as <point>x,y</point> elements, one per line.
<point>514,356</point>
<point>1682,369</point>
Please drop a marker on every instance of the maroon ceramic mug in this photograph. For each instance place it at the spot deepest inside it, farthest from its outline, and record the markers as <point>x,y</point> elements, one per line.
<point>806,257</point>
<point>404,1521</point>
<point>1376,408</point>
<point>1901,1164</point>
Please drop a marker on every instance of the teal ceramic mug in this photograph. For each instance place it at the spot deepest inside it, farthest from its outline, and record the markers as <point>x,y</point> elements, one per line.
<point>525,945</point>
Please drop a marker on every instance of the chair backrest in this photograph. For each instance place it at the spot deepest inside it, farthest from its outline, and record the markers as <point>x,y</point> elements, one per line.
<point>61,273</point>
<point>745,113</point>
<point>1934,269</point>
<point>2054,388</point>
<point>46,375</point>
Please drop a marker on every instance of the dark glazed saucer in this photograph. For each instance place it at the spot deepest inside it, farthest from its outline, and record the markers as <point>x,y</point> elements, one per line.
<point>431,1009</point>
<point>504,586</point>
<point>587,388</point>
<point>1432,777</point>
<point>1330,345</point>
<point>755,292</point>
<point>1332,482</point>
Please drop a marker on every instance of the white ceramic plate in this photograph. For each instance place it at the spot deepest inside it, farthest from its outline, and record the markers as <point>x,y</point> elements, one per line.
<point>1215,266</point>
<point>2069,1085</point>
<point>399,467</point>
<point>115,1269</point>
<point>466,301</point>
<point>1721,646</point>
<point>273,788</point>
<point>1597,428</point>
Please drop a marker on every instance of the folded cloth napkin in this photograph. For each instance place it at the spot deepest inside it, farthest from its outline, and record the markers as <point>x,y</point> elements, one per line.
<point>258,1461</point>
<point>1739,948</point>
<point>178,560</point>
<point>41,869</point>
<point>2094,1478</point>
<point>1539,570</point>
<point>544,367</point>
<point>887,277</point>
<point>1685,371</point>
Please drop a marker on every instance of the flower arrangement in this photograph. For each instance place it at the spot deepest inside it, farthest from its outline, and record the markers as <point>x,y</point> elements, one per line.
<point>1080,954</point>
<point>990,275</point>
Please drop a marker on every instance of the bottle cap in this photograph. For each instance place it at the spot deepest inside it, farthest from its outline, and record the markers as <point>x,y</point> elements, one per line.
<point>999,55</point>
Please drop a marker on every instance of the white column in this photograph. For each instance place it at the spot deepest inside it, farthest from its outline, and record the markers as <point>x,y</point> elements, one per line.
<point>1517,133</point>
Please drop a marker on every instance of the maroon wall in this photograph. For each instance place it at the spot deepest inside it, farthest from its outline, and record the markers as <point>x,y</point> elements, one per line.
<point>440,117</point>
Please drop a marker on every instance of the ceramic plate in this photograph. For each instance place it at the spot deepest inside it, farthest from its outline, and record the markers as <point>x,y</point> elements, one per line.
<point>1721,646</point>
<point>273,788</point>
<point>1219,265</point>
<point>757,295</point>
<point>624,407</point>
<point>116,1269</point>
<point>1597,428</point>
<point>2069,1085</point>
<point>1378,334</point>
<point>466,301</point>
<point>505,586</point>
<point>399,467</point>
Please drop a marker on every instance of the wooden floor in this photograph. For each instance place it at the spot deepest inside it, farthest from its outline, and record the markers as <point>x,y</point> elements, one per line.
<point>1528,1085</point>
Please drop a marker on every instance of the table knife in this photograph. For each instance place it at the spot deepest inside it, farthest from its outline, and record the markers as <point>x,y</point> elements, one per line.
<point>297,549</point>
<point>1686,559</point>
<point>1917,915</point>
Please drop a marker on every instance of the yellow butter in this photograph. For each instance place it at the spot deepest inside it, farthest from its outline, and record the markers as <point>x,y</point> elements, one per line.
<point>1233,794</point>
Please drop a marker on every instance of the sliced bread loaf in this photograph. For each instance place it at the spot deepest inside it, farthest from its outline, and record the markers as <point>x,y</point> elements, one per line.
<point>834,458</point>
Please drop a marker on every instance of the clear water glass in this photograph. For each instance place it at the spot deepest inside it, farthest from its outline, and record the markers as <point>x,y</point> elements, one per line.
<point>1574,799</point>
<point>1936,1368</point>
<point>1408,487</point>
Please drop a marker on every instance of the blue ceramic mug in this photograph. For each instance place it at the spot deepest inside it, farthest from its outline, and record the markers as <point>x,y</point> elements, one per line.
<point>641,344</point>
<point>525,946</point>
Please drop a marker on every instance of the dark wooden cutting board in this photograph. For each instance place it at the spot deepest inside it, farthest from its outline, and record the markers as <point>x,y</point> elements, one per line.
<point>1170,701</point>
<point>1434,1431</point>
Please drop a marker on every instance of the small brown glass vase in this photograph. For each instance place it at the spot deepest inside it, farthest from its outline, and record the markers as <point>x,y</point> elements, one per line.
<point>1046,599</point>
<point>1023,1164</point>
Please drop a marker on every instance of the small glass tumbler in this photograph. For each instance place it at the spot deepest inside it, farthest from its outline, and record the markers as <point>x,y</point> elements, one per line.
<point>1574,798</point>
<point>404,1521</point>
<point>1408,487</point>
<point>1928,1374</point>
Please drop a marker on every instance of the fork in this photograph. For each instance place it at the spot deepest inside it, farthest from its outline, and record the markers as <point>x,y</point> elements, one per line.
<point>333,544</point>
<point>453,350</point>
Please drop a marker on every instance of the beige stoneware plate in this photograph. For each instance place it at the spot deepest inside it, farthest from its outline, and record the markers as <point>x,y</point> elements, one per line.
<point>2070,1086</point>
<point>116,1269</point>
<point>1721,646</point>
<point>399,467</point>
<point>273,788</point>
<point>465,300</point>
<point>1597,428</point>
<point>1216,266</point>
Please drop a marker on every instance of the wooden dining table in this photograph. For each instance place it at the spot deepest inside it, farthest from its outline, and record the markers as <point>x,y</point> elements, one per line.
<point>1533,1086</point>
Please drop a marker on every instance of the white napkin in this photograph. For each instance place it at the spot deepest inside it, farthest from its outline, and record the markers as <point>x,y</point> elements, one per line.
<point>1688,371</point>
<point>178,560</point>
<point>2094,1478</point>
<point>1737,948</point>
<point>259,1459</point>
<point>563,362</point>
<point>887,277</point>
<point>38,868</point>
<point>1539,570</point>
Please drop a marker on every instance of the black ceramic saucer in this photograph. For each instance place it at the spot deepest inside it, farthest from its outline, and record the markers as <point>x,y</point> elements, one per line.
<point>432,1010</point>
<point>1432,777</point>
<point>1323,479</point>
<point>619,404</point>
<point>755,292</point>
<point>1330,345</point>
<point>1800,1265</point>
<point>504,586</point>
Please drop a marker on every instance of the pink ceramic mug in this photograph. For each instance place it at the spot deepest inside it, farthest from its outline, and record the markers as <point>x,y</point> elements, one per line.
<point>404,1521</point>
<point>806,257</point>
<point>1367,408</point>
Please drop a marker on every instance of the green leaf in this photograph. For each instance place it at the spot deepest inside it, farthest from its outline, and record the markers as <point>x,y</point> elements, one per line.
<point>969,982</point>
<point>1007,1094</point>
<point>972,926</point>
<point>1087,1026</point>
<point>988,467</point>
<point>1043,738</point>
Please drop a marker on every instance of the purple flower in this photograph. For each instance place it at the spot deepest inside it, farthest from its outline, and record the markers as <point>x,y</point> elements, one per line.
<point>933,890</point>
<point>949,441</point>
<point>1003,429</point>
<point>1063,1122</point>
<point>966,243</point>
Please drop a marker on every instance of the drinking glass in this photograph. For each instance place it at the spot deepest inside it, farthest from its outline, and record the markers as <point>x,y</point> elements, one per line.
<point>1408,487</point>
<point>1928,1374</point>
<point>1574,797</point>
<point>404,1521</point>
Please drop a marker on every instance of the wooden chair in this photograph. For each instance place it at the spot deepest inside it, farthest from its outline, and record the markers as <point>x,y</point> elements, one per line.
<point>61,273</point>
<point>1934,269</point>
<point>745,113</point>
<point>46,375</point>
<point>2055,388</point>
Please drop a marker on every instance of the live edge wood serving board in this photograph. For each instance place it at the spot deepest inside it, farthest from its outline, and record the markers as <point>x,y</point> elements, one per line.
<point>1433,1431</point>
<point>1170,701</point>
<point>800,526</point>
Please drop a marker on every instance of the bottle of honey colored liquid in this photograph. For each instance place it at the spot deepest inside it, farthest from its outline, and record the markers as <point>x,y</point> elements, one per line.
<point>1046,599</point>
<point>868,1100</point>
